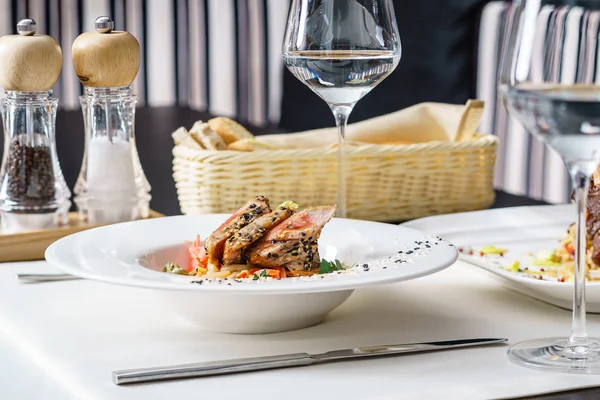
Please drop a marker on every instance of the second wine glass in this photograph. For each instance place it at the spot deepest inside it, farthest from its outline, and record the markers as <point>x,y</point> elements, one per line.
<point>341,50</point>
<point>549,82</point>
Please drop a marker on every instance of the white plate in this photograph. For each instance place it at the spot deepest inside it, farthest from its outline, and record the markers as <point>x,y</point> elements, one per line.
<point>520,230</point>
<point>133,254</point>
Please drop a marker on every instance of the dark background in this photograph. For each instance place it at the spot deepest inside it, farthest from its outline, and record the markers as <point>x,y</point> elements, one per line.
<point>439,43</point>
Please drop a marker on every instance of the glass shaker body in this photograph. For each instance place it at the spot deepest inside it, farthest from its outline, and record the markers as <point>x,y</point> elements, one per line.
<point>33,191</point>
<point>111,186</point>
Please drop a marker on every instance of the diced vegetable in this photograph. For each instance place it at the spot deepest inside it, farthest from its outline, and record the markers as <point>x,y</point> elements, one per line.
<point>487,250</point>
<point>172,268</point>
<point>197,255</point>
<point>513,267</point>
<point>569,249</point>
<point>546,259</point>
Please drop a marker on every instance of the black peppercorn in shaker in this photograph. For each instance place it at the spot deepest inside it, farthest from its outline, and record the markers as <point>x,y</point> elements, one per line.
<point>33,192</point>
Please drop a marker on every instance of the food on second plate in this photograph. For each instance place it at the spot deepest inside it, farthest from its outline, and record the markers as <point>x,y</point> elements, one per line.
<point>558,264</point>
<point>593,218</point>
<point>554,264</point>
<point>260,242</point>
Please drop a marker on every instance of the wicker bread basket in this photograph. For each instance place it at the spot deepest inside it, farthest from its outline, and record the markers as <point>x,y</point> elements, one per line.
<point>384,182</point>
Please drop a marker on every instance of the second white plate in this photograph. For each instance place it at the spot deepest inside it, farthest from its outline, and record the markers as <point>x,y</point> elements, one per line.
<point>520,230</point>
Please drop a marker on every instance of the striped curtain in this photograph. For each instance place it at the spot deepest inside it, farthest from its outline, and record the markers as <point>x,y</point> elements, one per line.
<point>223,56</point>
<point>524,165</point>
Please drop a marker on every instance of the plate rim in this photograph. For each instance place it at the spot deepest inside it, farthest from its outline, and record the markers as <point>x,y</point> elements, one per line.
<point>494,269</point>
<point>308,286</point>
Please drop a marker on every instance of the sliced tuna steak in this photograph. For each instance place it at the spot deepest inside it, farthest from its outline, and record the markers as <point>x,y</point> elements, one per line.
<point>243,238</point>
<point>293,242</point>
<point>215,243</point>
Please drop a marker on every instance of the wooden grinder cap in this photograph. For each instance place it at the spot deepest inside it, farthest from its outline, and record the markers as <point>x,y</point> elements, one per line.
<point>106,58</point>
<point>29,62</point>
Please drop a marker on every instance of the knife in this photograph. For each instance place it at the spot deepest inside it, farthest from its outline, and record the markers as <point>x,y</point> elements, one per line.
<point>194,370</point>
<point>39,278</point>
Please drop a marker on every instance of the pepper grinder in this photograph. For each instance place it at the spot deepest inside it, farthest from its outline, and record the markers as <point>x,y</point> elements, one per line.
<point>33,191</point>
<point>111,186</point>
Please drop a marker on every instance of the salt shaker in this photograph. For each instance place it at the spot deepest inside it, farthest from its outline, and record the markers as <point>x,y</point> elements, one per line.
<point>33,191</point>
<point>111,186</point>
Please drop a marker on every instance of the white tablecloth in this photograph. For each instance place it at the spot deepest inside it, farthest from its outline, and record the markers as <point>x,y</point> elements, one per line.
<point>62,340</point>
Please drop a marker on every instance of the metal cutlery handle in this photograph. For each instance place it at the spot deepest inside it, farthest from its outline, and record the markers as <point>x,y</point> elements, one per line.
<point>210,368</point>
<point>417,347</point>
<point>38,278</point>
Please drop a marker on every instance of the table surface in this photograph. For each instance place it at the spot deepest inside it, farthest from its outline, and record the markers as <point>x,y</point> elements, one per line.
<point>67,338</point>
<point>153,129</point>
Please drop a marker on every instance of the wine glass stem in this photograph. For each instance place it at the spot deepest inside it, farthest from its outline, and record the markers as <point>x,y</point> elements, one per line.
<point>581,182</point>
<point>341,114</point>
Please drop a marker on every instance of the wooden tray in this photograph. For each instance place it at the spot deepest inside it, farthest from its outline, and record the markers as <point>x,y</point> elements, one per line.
<point>31,245</point>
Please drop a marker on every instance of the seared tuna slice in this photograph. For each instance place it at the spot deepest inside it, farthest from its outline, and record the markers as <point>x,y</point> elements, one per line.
<point>215,243</point>
<point>292,242</point>
<point>243,238</point>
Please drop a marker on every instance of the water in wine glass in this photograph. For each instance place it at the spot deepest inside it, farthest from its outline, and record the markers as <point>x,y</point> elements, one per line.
<point>565,117</point>
<point>341,77</point>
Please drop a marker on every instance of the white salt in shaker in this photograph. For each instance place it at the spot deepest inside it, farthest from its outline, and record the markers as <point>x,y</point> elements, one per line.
<point>111,186</point>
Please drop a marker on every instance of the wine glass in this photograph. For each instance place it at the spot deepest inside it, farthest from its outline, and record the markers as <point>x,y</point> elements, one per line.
<point>341,50</point>
<point>550,82</point>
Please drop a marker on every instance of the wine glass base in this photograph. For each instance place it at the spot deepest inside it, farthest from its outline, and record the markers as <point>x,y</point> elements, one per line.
<point>557,355</point>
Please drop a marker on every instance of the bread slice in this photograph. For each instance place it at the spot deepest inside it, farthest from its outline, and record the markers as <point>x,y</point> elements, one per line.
<point>179,135</point>
<point>250,144</point>
<point>229,130</point>
<point>190,142</point>
<point>209,139</point>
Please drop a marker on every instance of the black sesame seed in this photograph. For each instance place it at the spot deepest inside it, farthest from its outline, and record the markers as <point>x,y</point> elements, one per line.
<point>427,246</point>
<point>252,205</point>
<point>303,233</point>
<point>273,219</point>
<point>365,265</point>
<point>400,252</point>
<point>409,252</point>
<point>384,267</point>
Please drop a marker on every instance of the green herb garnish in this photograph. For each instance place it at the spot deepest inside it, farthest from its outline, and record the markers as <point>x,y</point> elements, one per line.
<point>263,273</point>
<point>327,267</point>
<point>254,277</point>
<point>172,268</point>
